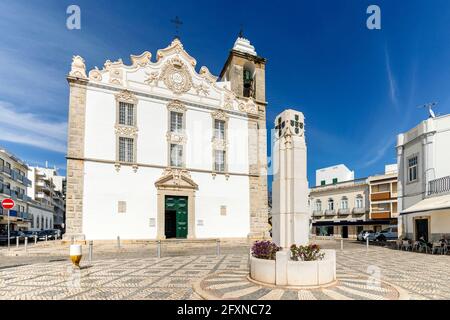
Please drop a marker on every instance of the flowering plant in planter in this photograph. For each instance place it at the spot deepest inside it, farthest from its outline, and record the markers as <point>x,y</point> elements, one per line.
<point>265,250</point>
<point>310,252</point>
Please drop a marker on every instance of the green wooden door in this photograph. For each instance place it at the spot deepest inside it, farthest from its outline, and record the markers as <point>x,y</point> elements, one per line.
<point>179,205</point>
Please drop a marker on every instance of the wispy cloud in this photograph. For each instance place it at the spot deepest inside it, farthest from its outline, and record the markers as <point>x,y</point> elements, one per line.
<point>379,152</point>
<point>392,83</point>
<point>30,129</point>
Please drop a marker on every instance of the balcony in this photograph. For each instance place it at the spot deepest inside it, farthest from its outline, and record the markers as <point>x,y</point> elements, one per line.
<point>380,215</point>
<point>5,170</point>
<point>379,196</point>
<point>343,212</point>
<point>317,213</point>
<point>330,212</point>
<point>359,210</point>
<point>439,186</point>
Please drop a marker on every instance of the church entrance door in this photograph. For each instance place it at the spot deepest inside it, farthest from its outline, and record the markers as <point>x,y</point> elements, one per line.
<point>176,217</point>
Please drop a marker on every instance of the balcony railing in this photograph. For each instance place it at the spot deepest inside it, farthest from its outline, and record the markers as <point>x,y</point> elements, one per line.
<point>344,212</point>
<point>380,214</point>
<point>5,170</point>
<point>437,186</point>
<point>379,196</point>
<point>359,210</point>
<point>330,212</point>
<point>317,213</point>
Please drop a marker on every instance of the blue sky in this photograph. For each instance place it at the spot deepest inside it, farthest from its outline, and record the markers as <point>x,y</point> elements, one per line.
<point>358,88</point>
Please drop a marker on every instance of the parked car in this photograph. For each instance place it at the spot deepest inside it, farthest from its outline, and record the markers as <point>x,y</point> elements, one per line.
<point>390,233</point>
<point>28,234</point>
<point>4,237</point>
<point>364,234</point>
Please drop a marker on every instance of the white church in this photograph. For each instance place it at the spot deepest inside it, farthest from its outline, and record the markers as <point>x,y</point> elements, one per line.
<point>160,148</point>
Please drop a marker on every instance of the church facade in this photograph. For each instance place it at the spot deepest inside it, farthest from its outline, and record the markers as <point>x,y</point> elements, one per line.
<point>160,149</point>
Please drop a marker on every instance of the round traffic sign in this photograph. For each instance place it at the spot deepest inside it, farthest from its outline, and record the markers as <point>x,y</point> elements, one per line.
<point>8,204</point>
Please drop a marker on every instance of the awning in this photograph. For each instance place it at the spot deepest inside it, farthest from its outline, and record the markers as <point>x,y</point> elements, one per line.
<point>429,204</point>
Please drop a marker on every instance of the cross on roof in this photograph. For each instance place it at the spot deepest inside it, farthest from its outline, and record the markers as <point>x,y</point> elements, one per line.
<point>177,22</point>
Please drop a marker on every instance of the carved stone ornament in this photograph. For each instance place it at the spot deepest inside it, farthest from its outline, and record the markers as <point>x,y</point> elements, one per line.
<point>205,74</point>
<point>248,107</point>
<point>174,177</point>
<point>78,68</point>
<point>115,76</point>
<point>151,77</point>
<point>220,115</point>
<point>95,75</point>
<point>176,137</point>
<point>176,76</point>
<point>141,60</point>
<point>127,131</point>
<point>228,102</point>
<point>202,89</point>
<point>126,96</point>
<point>176,106</point>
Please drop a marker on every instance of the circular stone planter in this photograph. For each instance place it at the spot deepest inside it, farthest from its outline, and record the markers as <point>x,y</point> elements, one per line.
<point>284,272</point>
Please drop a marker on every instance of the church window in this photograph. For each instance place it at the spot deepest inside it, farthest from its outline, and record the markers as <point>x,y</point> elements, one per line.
<point>126,114</point>
<point>126,149</point>
<point>176,155</point>
<point>176,121</point>
<point>219,160</point>
<point>219,129</point>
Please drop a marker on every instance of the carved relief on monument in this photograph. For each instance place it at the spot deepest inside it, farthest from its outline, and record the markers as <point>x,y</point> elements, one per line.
<point>176,76</point>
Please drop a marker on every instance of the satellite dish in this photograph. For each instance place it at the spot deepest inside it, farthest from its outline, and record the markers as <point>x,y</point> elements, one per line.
<point>430,110</point>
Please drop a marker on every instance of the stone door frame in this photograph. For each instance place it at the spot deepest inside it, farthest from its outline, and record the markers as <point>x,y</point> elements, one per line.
<point>161,217</point>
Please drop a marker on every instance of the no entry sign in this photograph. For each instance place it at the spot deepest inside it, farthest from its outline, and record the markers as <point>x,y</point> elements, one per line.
<point>8,204</point>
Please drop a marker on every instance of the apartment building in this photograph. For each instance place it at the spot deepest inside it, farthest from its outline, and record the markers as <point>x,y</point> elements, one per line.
<point>14,184</point>
<point>334,174</point>
<point>383,196</point>
<point>344,209</point>
<point>47,189</point>
<point>340,209</point>
<point>423,158</point>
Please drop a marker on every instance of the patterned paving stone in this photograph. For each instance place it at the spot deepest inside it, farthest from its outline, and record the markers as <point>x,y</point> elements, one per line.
<point>239,287</point>
<point>420,276</point>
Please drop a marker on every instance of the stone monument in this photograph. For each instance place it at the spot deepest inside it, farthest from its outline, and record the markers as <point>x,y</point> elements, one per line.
<point>290,216</point>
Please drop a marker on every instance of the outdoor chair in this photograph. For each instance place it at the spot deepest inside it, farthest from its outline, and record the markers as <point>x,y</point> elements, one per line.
<point>437,247</point>
<point>423,247</point>
<point>406,245</point>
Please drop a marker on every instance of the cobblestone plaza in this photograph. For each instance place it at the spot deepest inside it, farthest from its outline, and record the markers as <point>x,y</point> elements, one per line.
<point>139,274</point>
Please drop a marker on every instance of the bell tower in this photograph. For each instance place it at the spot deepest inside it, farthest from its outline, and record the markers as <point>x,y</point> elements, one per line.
<point>245,71</point>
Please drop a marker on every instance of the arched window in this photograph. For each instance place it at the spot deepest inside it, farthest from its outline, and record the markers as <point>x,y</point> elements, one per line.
<point>359,201</point>
<point>249,80</point>
<point>344,203</point>
<point>318,205</point>
<point>330,204</point>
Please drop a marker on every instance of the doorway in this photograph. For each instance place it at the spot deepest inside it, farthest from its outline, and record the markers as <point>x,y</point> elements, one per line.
<point>344,232</point>
<point>422,229</point>
<point>176,217</point>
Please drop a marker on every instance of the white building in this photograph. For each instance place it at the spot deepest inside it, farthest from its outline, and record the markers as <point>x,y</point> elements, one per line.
<point>46,190</point>
<point>13,185</point>
<point>334,174</point>
<point>160,149</point>
<point>423,158</point>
